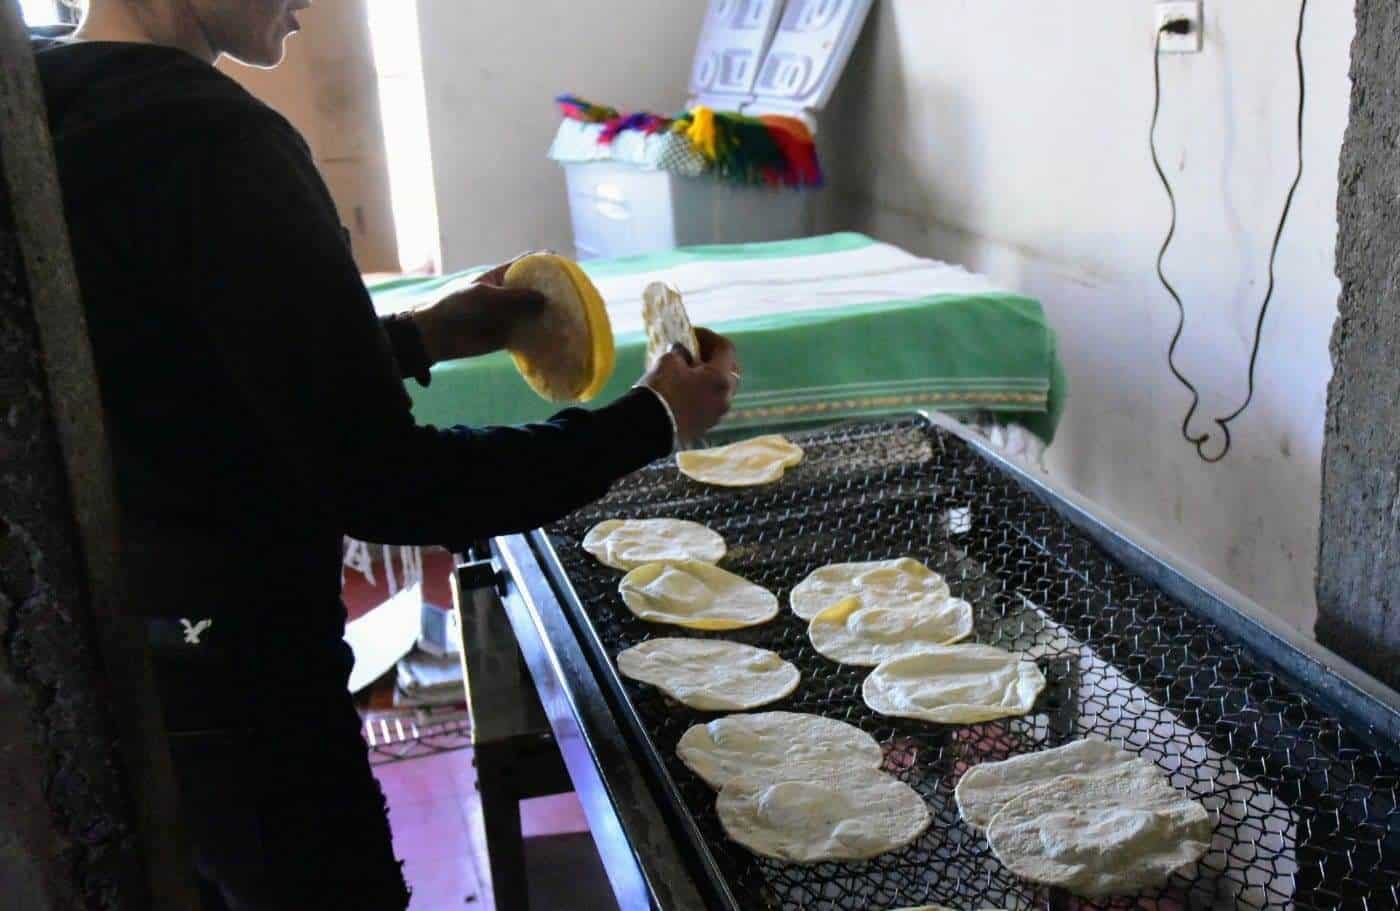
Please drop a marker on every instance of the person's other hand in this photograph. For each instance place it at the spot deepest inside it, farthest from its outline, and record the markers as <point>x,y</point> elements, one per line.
<point>698,391</point>
<point>477,320</point>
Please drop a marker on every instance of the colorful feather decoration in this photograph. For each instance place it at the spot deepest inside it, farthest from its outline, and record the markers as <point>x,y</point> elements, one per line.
<point>799,151</point>
<point>772,150</point>
<point>575,108</point>
<point>642,123</point>
<point>703,133</point>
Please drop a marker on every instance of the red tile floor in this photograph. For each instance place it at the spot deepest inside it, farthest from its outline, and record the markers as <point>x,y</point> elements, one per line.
<point>433,800</point>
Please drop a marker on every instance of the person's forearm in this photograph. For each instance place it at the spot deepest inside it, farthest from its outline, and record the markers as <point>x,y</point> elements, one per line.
<point>410,350</point>
<point>451,486</point>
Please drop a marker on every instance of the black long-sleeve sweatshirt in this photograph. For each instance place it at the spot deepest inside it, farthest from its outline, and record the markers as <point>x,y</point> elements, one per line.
<point>255,404</point>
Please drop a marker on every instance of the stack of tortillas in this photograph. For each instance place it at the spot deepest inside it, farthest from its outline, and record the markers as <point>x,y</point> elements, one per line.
<point>565,354</point>
<point>750,463</point>
<point>867,613</point>
<point>1088,817</point>
<point>875,582</point>
<point>803,788</point>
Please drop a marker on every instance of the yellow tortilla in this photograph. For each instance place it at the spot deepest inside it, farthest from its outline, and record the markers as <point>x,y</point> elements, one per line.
<point>566,353</point>
<point>600,326</point>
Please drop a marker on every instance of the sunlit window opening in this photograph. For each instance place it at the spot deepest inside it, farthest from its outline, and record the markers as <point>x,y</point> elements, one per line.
<point>41,12</point>
<point>393,27</point>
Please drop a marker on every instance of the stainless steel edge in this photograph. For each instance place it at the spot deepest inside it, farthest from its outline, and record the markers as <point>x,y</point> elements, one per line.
<point>1336,683</point>
<point>641,858</point>
<point>607,675</point>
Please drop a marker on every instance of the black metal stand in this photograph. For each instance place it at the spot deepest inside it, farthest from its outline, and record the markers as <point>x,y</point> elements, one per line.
<point>516,756</point>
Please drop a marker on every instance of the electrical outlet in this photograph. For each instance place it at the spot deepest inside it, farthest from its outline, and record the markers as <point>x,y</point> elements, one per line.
<point>1173,11</point>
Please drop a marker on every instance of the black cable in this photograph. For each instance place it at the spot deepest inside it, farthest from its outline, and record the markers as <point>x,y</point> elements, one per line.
<point>1166,245</point>
<point>1223,423</point>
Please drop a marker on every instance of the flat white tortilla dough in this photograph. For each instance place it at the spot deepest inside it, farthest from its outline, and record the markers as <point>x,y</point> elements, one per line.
<point>667,323</point>
<point>626,544</point>
<point>878,583</point>
<point>748,463</point>
<point>986,788</point>
<point>850,633</point>
<point>710,674</point>
<point>770,742</point>
<point>955,684</point>
<point>843,814</point>
<point>697,596</point>
<point>1113,832</point>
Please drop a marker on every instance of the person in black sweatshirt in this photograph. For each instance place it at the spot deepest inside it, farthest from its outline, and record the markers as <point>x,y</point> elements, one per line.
<point>257,414</point>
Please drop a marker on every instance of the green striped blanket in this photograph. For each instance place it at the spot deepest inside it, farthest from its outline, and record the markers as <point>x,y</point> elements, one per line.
<point>830,327</point>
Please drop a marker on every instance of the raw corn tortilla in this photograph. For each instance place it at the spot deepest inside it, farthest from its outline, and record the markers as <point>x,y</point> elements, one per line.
<point>1113,832</point>
<point>696,595</point>
<point>667,323</point>
<point>749,463</point>
<point>878,583</point>
<point>850,633</point>
<point>771,742</point>
<point>843,814</point>
<point>710,674</point>
<point>566,353</point>
<point>626,544</point>
<point>986,788</point>
<point>955,684</point>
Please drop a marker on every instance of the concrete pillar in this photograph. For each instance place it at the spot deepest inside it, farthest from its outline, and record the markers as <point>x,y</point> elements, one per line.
<point>86,797</point>
<point>1358,590</point>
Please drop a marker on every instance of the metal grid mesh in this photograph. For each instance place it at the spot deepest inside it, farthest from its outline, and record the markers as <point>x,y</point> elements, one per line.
<point>1307,812</point>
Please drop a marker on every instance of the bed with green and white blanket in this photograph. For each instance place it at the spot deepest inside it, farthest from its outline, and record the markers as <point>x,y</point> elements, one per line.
<point>828,328</point>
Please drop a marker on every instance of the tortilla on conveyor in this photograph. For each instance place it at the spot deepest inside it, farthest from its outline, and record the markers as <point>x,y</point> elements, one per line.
<point>882,583</point>
<point>849,632</point>
<point>697,596</point>
<point>750,463</point>
<point>986,788</point>
<point>955,684</point>
<point>711,675</point>
<point>771,742</point>
<point>626,544</point>
<point>1113,832</point>
<point>836,814</point>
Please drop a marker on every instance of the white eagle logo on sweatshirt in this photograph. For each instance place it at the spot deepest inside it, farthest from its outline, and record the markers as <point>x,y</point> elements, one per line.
<point>194,630</point>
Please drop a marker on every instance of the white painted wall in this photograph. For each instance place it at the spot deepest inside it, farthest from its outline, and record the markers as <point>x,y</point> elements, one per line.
<point>491,71</point>
<point>1011,136</point>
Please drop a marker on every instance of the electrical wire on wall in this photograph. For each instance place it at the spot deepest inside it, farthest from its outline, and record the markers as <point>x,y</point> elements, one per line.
<point>1200,440</point>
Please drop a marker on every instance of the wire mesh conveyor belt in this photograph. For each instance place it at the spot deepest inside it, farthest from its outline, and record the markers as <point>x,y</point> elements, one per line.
<point>1306,806</point>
